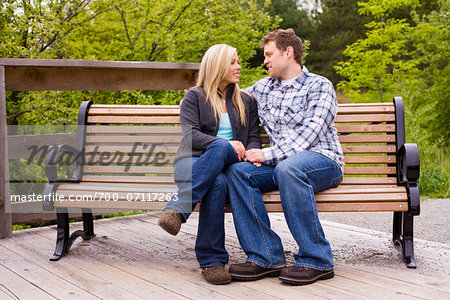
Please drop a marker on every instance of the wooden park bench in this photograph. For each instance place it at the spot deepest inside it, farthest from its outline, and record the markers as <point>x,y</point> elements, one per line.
<point>123,159</point>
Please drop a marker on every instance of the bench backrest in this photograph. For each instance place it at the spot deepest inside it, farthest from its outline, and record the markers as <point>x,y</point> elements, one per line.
<point>121,146</point>
<point>136,145</point>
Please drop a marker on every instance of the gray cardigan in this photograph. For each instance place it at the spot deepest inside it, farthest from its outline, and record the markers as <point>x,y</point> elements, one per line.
<point>200,126</point>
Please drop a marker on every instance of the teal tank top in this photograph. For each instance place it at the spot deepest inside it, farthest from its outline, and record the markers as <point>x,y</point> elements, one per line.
<point>225,130</point>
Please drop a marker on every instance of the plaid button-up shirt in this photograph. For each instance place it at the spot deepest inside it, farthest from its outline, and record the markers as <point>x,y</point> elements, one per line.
<point>298,116</point>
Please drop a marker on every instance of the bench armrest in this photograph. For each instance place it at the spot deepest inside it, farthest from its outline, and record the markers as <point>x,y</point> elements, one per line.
<point>51,162</point>
<point>408,165</point>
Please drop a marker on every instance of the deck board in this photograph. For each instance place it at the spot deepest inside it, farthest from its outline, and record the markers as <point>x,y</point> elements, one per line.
<point>132,258</point>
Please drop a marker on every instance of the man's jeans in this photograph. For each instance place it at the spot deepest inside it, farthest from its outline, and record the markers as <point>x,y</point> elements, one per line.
<point>297,178</point>
<point>202,178</point>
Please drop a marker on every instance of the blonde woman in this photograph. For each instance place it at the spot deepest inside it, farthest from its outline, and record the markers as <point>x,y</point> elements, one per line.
<point>219,124</point>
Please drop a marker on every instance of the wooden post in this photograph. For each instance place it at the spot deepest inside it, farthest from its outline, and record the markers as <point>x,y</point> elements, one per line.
<point>5,215</point>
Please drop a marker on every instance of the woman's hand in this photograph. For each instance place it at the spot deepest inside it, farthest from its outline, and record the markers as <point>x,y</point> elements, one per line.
<point>239,148</point>
<point>255,156</point>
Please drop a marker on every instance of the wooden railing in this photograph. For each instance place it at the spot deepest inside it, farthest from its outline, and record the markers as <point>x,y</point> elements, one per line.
<point>76,75</point>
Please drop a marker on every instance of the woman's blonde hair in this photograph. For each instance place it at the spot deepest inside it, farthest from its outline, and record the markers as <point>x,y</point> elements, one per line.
<point>214,68</point>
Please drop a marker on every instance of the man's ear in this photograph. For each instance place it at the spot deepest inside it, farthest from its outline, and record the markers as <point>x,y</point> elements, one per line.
<point>290,52</point>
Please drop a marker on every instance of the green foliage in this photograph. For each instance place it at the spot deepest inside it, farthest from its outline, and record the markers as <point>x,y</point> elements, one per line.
<point>20,226</point>
<point>408,57</point>
<point>292,16</point>
<point>335,27</point>
<point>174,31</point>
<point>435,173</point>
<point>36,29</point>
<point>137,30</point>
<point>378,62</point>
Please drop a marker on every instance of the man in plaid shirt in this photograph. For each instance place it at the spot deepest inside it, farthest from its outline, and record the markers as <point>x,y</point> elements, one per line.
<point>297,110</point>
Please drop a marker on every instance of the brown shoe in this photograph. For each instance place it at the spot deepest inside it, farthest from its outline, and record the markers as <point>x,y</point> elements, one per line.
<point>170,221</point>
<point>216,275</point>
<point>300,275</point>
<point>250,271</point>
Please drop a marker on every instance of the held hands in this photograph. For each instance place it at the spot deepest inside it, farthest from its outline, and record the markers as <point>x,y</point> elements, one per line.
<point>239,148</point>
<point>255,156</point>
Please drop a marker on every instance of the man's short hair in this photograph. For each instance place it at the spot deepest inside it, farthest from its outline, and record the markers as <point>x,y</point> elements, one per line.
<point>284,38</point>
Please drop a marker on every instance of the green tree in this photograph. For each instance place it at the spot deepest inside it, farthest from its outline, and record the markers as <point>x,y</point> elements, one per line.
<point>408,57</point>
<point>173,31</point>
<point>35,29</point>
<point>138,30</point>
<point>292,16</point>
<point>337,25</point>
<point>377,62</point>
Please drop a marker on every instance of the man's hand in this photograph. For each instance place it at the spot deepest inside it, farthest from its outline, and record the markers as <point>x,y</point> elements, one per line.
<point>239,148</point>
<point>255,156</point>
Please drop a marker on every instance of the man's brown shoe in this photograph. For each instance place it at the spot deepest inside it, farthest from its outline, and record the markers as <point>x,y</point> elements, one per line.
<point>170,221</point>
<point>216,275</point>
<point>300,275</point>
<point>250,271</point>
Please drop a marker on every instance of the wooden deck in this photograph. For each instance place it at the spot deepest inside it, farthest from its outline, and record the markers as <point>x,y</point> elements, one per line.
<point>132,258</point>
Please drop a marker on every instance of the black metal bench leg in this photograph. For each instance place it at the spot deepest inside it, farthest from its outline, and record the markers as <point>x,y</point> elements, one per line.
<point>397,227</point>
<point>88,223</point>
<point>62,235</point>
<point>408,246</point>
<point>65,240</point>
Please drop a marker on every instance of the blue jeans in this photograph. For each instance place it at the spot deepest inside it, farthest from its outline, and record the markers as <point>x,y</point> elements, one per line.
<point>202,178</point>
<point>297,178</point>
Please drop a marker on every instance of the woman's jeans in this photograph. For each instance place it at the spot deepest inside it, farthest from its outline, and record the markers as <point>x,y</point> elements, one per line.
<point>297,178</point>
<point>202,179</point>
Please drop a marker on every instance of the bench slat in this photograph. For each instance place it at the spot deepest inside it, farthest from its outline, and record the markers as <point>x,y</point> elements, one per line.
<point>150,179</point>
<point>132,106</point>
<point>271,207</point>
<point>92,186</point>
<point>369,170</point>
<point>347,197</point>
<point>133,120</point>
<point>128,179</point>
<point>368,149</point>
<point>362,207</point>
<point>147,129</point>
<point>365,128</point>
<point>138,169</point>
<point>168,149</point>
<point>373,188</point>
<point>136,159</point>
<point>342,110</point>
<point>131,139</point>
<point>360,138</point>
<point>368,180</point>
<point>128,111</point>
<point>356,118</point>
<point>128,169</point>
<point>345,207</point>
<point>378,159</point>
<point>387,104</point>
